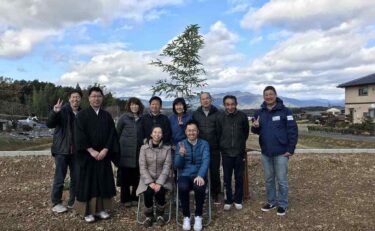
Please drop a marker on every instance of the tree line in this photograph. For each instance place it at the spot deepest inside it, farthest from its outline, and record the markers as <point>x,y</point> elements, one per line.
<point>25,98</point>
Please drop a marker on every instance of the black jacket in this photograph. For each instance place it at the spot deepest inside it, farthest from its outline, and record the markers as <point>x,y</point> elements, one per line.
<point>234,131</point>
<point>63,136</point>
<point>130,137</point>
<point>208,126</point>
<point>149,120</point>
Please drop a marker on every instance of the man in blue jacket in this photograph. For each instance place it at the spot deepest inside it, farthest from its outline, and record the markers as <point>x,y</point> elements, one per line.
<point>278,135</point>
<point>192,159</point>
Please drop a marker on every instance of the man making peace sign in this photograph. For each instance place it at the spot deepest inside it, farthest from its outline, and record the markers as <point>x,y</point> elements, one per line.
<point>61,118</point>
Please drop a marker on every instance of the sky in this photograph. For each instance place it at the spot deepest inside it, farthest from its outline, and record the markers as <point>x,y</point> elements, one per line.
<point>305,48</point>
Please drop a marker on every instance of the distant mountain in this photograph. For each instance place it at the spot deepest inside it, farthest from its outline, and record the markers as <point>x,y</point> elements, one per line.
<point>248,100</point>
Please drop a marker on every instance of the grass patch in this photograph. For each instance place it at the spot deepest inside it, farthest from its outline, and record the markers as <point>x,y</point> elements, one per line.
<point>9,143</point>
<point>311,141</point>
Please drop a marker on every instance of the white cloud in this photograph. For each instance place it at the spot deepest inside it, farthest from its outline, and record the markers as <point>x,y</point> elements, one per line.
<point>219,50</point>
<point>97,49</point>
<point>154,14</point>
<point>309,14</point>
<point>35,19</point>
<point>320,44</point>
<point>126,73</point>
<point>14,44</point>
<point>256,40</point>
<point>237,6</point>
<point>58,14</point>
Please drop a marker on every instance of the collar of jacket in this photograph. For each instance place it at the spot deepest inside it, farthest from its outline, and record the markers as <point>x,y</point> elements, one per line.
<point>69,108</point>
<point>131,115</point>
<point>152,115</point>
<point>212,110</point>
<point>227,113</point>
<point>279,105</point>
<point>150,144</point>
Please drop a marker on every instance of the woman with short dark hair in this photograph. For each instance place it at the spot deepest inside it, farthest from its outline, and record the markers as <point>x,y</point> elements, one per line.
<point>129,130</point>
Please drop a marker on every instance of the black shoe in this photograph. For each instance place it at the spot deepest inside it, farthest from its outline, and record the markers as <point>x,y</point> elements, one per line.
<point>281,211</point>
<point>268,207</point>
<point>148,222</point>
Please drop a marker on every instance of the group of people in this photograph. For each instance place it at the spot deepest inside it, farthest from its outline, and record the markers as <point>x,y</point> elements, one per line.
<point>154,152</point>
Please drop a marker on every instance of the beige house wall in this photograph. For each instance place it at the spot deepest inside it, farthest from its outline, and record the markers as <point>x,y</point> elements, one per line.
<point>352,96</point>
<point>359,109</point>
<point>360,104</point>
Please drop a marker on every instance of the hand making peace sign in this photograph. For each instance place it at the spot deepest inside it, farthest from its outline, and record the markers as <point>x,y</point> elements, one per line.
<point>58,105</point>
<point>256,123</point>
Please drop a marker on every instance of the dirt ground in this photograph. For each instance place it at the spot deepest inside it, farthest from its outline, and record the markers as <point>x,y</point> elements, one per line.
<point>327,192</point>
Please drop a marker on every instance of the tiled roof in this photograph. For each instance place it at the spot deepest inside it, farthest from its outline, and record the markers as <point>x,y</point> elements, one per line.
<point>369,79</point>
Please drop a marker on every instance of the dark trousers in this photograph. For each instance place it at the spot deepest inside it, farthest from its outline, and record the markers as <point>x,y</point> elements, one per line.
<point>185,185</point>
<point>129,178</point>
<point>215,172</point>
<point>149,195</point>
<point>62,163</point>
<point>237,165</point>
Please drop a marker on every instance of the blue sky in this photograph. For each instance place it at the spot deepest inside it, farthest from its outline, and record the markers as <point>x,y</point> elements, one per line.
<point>304,48</point>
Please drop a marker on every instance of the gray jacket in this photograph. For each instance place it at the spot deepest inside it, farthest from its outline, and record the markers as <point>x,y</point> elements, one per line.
<point>155,166</point>
<point>130,136</point>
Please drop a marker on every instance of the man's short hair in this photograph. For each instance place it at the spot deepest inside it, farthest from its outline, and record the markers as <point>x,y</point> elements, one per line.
<point>272,88</point>
<point>97,89</point>
<point>75,91</point>
<point>230,97</point>
<point>192,122</point>
<point>156,98</point>
<point>205,92</point>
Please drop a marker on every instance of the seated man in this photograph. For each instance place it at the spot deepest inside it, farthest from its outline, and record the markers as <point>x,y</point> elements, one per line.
<point>192,159</point>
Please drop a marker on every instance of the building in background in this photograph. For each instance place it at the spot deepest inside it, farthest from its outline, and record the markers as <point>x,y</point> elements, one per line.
<point>360,98</point>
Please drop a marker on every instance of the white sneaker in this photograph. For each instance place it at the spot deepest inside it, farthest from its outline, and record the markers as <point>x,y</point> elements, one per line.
<point>186,225</point>
<point>59,208</point>
<point>89,218</point>
<point>238,206</point>
<point>227,207</point>
<point>197,223</point>
<point>102,215</point>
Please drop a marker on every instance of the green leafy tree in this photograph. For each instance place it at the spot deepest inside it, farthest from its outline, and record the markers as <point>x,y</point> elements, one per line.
<point>184,66</point>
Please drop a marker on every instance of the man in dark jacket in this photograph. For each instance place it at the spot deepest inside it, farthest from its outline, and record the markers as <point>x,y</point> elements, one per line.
<point>154,117</point>
<point>234,131</point>
<point>62,119</point>
<point>278,135</point>
<point>206,117</point>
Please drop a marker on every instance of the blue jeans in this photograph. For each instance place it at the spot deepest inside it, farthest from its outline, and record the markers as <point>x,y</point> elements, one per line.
<point>62,163</point>
<point>276,167</point>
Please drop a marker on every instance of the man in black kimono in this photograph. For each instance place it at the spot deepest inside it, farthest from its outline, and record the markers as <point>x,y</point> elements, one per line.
<point>97,146</point>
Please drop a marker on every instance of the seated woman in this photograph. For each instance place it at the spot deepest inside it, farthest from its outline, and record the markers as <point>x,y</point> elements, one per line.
<point>192,159</point>
<point>155,167</point>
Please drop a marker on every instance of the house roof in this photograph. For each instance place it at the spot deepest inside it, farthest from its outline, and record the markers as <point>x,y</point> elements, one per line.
<point>369,79</point>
